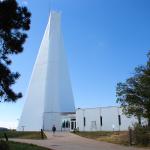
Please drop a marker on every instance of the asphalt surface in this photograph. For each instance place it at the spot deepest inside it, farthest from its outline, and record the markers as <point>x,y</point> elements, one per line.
<point>69,141</point>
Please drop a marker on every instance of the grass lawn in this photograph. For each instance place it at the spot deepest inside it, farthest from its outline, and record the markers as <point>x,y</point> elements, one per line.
<point>112,137</point>
<point>21,146</point>
<point>22,135</point>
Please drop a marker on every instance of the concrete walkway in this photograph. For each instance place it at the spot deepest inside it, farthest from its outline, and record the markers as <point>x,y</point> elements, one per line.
<point>69,141</point>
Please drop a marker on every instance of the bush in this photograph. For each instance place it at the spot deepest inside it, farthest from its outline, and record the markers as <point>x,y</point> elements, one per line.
<point>4,145</point>
<point>141,135</point>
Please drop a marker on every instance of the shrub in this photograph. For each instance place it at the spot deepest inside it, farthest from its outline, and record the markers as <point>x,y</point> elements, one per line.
<point>141,135</point>
<point>4,145</point>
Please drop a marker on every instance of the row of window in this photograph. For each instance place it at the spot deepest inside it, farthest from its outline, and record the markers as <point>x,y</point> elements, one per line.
<point>67,124</point>
<point>101,120</point>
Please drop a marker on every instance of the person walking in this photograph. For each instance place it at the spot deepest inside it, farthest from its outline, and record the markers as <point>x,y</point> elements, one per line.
<point>54,129</point>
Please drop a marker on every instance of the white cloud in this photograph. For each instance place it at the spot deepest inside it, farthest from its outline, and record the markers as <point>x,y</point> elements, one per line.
<point>9,125</point>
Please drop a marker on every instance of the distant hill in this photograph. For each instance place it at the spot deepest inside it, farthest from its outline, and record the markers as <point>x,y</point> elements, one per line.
<point>3,129</point>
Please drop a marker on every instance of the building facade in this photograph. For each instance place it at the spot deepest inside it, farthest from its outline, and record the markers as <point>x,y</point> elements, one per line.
<point>103,119</point>
<point>49,97</point>
<point>99,119</point>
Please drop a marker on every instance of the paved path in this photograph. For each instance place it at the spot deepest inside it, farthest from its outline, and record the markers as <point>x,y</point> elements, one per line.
<point>68,141</point>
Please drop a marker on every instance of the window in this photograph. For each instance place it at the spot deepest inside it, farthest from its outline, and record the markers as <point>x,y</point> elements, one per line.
<point>101,121</point>
<point>67,124</point>
<point>119,120</point>
<point>93,125</point>
<point>63,124</point>
<point>72,125</point>
<point>84,121</point>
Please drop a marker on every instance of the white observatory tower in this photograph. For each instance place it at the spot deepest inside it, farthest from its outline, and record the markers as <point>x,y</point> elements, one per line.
<point>49,97</point>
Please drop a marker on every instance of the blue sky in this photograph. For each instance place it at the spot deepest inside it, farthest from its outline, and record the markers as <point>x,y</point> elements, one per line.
<point>104,40</point>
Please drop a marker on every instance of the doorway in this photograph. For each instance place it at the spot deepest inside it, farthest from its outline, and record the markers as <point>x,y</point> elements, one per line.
<point>73,125</point>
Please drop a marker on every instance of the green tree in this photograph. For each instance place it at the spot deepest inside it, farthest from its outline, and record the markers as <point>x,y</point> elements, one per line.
<point>134,94</point>
<point>14,22</point>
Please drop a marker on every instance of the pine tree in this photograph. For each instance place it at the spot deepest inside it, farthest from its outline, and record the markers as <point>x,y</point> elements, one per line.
<point>14,22</point>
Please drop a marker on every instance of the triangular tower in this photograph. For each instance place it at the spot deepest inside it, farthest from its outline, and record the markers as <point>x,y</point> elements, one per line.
<point>49,97</point>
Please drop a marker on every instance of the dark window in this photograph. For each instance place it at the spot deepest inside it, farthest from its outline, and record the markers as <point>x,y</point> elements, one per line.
<point>73,119</point>
<point>84,121</point>
<point>63,124</point>
<point>101,121</point>
<point>72,125</point>
<point>119,120</point>
<point>67,124</point>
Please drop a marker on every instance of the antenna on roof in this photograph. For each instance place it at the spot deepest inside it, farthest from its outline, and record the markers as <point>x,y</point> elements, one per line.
<point>50,6</point>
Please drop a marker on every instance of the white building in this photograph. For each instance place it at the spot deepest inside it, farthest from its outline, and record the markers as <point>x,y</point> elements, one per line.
<point>49,99</point>
<point>103,119</point>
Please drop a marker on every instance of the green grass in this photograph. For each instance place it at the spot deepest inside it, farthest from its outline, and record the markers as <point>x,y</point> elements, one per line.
<point>94,135</point>
<point>21,146</point>
<point>116,137</point>
<point>111,137</point>
<point>22,135</point>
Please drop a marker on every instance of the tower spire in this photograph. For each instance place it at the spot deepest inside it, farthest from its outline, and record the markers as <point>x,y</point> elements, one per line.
<point>49,95</point>
<point>49,6</point>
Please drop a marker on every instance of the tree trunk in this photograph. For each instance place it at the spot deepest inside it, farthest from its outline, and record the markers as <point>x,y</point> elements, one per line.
<point>149,122</point>
<point>139,120</point>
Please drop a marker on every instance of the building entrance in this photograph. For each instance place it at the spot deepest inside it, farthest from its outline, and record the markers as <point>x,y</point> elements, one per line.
<point>73,124</point>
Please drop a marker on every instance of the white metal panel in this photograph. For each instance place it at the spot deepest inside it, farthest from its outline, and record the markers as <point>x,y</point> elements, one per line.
<point>58,93</point>
<point>92,119</point>
<point>110,120</point>
<point>59,97</point>
<point>79,119</point>
<point>32,114</point>
<point>126,122</point>
<point>50,93</point>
